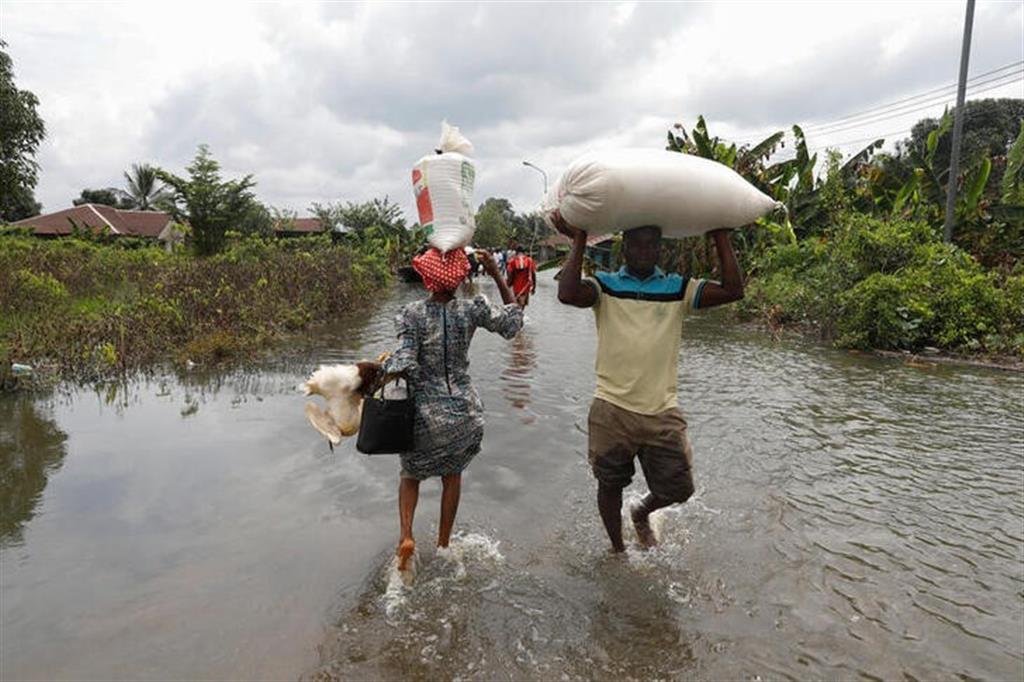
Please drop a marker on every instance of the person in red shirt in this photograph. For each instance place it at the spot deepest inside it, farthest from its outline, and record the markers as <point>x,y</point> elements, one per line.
<point>522,276</point>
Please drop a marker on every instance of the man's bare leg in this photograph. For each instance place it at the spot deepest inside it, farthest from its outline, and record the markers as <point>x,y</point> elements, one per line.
<point>452,487</point>
<point>408,496</point>
<point>609,503</point>
<point>641,513</point>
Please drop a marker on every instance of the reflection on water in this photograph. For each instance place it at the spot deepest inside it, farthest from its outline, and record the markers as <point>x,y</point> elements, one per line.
<point>32,448</point>
<point>853,518</point>
<point>517,376</point>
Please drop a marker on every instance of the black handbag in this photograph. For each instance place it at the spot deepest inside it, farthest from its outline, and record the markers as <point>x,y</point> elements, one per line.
<point>386,427</point>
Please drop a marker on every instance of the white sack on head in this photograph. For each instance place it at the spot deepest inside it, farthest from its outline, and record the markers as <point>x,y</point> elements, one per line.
<point>443,185</point>
<point>607,191</point>
<point>454,141</point>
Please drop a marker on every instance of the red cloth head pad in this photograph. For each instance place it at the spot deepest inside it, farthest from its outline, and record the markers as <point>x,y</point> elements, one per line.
<point>442,271</point>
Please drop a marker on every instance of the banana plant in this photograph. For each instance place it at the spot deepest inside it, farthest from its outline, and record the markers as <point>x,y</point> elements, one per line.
<point>925,191</point>
<point>971,206</point>
<point>1012,186</point>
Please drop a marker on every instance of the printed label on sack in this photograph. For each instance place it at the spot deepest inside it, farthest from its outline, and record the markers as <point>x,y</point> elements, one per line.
<point>423,204</point>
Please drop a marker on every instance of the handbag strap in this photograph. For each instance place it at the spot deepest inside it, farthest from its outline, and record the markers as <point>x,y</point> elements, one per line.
<point>381,382</point>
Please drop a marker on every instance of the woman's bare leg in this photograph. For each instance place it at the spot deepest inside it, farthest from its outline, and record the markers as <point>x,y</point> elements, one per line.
<point>452,487</point>
<point>408,496</point>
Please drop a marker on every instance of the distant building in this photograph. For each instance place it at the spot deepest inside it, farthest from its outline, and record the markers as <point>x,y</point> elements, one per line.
<point>106,220</point>
<point>599,249</point>
<point>147,224</point>
<point>298,227</point>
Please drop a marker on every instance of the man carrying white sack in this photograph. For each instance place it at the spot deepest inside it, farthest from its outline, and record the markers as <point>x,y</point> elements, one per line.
<point>639,313</point>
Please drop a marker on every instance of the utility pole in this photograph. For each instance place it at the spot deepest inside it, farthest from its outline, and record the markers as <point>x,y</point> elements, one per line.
<point>958,125</point>
<point>540,170</point>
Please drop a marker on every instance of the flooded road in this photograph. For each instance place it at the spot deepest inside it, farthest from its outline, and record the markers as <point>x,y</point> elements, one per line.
<point>854,517</point>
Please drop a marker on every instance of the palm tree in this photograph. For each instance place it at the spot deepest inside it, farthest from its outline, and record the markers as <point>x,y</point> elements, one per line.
<point>145,190</point>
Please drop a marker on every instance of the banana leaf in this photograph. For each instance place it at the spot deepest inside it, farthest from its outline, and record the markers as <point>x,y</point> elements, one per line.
<point>976,184</point>
<point>861,156</point>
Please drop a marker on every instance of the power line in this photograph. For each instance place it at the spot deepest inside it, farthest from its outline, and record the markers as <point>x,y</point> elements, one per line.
<point>1008,79</point>
<point>886,136</point>
<point>927,93</point>
<point>996,82</point>
<point>866,124</point>
<point>870,138</point>
<point>897,104</point>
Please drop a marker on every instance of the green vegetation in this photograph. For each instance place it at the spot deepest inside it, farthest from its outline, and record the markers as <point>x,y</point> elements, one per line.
<point>21,131</point>
<point>888,284</point>
<point>376,228</point>
<point>85,310</point>
<point>144,191</point>
<point>497,223</point>
<point>209,205</point>
<point>858,257</point>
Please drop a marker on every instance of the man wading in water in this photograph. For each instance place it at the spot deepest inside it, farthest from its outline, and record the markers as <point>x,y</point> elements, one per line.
<point>639,314</point>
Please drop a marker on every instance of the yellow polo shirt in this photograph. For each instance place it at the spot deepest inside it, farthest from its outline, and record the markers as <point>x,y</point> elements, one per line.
<point>639,324</point>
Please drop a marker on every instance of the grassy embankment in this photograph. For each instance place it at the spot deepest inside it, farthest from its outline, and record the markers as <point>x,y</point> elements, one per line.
<point>79,310</point>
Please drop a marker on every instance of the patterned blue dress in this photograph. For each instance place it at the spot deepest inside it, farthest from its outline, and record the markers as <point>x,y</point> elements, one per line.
<point>433,351</point>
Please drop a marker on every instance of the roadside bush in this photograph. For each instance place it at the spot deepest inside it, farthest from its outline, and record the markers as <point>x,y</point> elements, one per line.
<point>26,291</point>
<point>889,284</point>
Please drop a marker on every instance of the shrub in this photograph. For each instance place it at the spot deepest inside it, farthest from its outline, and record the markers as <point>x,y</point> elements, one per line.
<point>889,284</point>
<point>91,310</point>
<point>27,291</point>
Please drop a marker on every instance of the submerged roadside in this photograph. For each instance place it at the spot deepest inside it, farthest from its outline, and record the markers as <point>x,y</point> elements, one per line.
<point>75,310</point>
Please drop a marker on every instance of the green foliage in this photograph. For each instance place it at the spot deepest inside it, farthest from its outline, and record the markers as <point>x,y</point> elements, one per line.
<point>21,131</point>
<point>889,284</point>
<point>360,218</point>
<point>209,205</point>
<point>990,126</point>
<point>497,223</point>
<point>374,228</point>
<point>257,219</point>
<point>28,291</point>
<point>1012,185</point>
<point>108,196</point>
<point>494,223</point>
<point>89,310</point>
<point>144,190</point>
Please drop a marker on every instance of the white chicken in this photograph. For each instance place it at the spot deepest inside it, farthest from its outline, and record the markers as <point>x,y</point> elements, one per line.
<point>339,385</point>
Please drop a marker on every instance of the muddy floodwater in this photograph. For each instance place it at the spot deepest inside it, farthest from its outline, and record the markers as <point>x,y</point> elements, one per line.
<point>854,518</point>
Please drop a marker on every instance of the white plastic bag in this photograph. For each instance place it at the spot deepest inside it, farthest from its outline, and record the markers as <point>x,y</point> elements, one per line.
<point>443,184</point>
<point>607,191</point>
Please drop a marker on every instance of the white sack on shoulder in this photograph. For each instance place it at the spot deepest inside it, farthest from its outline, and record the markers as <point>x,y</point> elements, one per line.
<point>443,184</point>
<point>607,191</point>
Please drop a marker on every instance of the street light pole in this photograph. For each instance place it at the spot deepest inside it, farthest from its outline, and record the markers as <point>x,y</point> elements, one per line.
<point>541,171</point>
<point>958,125</point>
<point>533,241</point>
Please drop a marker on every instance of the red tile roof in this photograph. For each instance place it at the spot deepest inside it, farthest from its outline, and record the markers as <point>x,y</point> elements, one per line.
<point>143,223</point>
<point>306,225</point>
<point>297,225</point>
<point>105,218</point>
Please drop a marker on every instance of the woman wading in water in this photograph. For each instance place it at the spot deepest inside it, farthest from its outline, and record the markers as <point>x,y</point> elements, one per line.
<point>433,356</point>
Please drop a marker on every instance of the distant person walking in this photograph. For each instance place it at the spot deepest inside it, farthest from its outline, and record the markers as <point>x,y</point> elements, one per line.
<point>522,276</point>
<point>635,415</point>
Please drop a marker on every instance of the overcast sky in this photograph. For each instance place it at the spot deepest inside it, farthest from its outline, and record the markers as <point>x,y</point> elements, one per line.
<point>333,101</point>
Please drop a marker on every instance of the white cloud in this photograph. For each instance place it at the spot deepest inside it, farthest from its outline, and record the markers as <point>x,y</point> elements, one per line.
<point>326,101</point>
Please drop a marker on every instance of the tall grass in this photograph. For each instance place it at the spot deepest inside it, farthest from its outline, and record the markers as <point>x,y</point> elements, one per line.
<point>85,311</point>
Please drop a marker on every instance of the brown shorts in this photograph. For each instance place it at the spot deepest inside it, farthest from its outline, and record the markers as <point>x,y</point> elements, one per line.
<point>618,435</point>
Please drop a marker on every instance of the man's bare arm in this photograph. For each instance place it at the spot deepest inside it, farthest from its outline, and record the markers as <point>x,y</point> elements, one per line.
<point>571,288</point>
<point>731,288</point>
